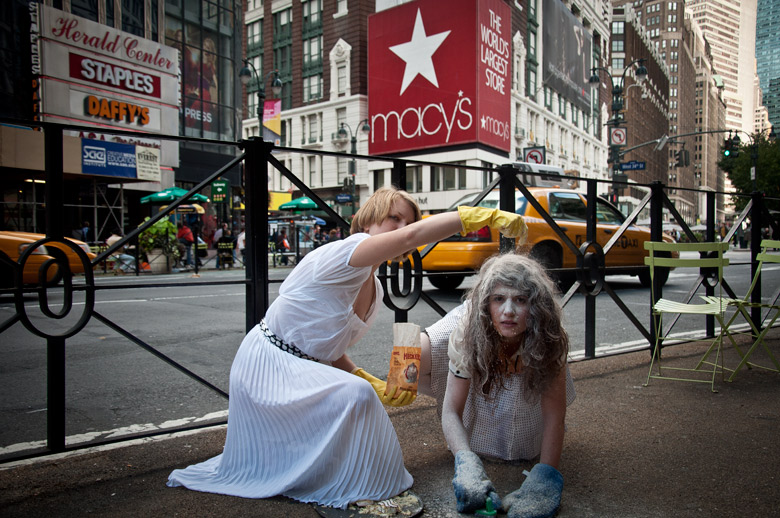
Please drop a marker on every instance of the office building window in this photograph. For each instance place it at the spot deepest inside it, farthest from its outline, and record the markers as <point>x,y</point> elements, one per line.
<point>414,179</point>
<point>341,79</point>
<point>447,178</point>
<point>282,45</point>
<point>312,88</point>
<point>210,56</point>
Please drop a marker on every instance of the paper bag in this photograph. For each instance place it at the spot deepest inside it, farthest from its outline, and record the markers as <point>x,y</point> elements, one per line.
<point>405,360</point>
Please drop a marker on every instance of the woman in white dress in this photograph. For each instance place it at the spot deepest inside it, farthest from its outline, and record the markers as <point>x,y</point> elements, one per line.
<point>304,421</point>
<point>497,366</point>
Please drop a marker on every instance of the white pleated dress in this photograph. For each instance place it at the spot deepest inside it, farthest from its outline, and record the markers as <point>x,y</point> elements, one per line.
<point>297,427</point>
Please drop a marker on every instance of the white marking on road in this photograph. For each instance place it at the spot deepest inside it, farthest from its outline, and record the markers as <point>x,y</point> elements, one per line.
<point>125,301</point>
<point>72,440</point>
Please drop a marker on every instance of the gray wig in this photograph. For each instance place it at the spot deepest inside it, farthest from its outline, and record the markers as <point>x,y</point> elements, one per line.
<point>545,343</point>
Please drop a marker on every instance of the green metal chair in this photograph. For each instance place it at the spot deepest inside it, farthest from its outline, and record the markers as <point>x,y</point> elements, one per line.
<point>710,264</point>
<point>770,253</point>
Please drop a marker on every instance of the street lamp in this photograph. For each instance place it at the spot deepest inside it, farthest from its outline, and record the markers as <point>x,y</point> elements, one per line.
<point>346,131</point>
<point>245,74</point>
<point>640,74</point>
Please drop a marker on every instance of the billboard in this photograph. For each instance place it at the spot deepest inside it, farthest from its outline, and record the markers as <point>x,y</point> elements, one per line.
<point>567,54</point>
<point>93,73</point>
<point>439,75</point>
<point>272,121</point>
<point>105,158</point>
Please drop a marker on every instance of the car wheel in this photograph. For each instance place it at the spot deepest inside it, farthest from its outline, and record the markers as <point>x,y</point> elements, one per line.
<point>446,282</point>
<point>662,274</point>
<point>547,255</point>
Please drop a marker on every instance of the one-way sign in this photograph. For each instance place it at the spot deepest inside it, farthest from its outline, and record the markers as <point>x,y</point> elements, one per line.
<point>632,165</point>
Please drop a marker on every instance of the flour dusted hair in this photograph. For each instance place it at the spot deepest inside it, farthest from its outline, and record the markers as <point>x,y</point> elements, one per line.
<point>545,343</point>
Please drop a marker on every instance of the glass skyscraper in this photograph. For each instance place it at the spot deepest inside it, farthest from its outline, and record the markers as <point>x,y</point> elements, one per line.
<point>768,56</point>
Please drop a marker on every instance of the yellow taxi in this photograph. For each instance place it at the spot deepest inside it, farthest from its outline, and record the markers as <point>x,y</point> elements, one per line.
<point>568,208</point>
<point>13,244</point>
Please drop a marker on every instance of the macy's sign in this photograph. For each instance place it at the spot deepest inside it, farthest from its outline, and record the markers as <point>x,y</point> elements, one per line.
<point>439,75</point>
<point>431,120</point>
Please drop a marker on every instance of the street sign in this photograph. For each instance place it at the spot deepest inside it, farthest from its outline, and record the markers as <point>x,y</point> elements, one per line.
<point>219,191</point>
<point>617,136</point>
<point>633,165</point>
<point>343,198</point>
<point>534,155</point>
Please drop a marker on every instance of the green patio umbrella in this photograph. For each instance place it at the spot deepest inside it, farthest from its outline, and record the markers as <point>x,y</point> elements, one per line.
<point>172,194</point>
<point>302,203</point>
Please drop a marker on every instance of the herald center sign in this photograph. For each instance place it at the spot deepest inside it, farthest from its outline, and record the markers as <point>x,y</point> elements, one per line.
<point>440,75</point>
<point>103,76</point>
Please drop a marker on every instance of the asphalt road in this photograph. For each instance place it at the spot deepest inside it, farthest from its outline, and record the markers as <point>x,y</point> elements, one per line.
<point>115,387</point>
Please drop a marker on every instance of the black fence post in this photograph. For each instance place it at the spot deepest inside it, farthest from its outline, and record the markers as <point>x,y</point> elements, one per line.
<point>506,201</point>
<point>256,185</point>
<point>709,235</point>
<point>656,234</point>
<point>398,175</point>
<point>756,224</point>
<point>590,298</point>
<point>55,346</point>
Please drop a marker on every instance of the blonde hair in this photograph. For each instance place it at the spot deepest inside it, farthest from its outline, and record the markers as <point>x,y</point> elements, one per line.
<point>378,206</point>
<point>545,342</point>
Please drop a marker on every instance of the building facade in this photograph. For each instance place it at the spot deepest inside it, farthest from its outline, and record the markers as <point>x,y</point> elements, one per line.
<point>730,28</point>
<point>327,87</point>
<point>768,57</point>
<point>153,66</point>
<point>695,106</point>
<point>645,104</point>
<point>710,115</point>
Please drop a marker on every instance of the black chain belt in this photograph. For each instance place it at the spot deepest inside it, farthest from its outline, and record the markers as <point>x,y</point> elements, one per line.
<point>284,346</point>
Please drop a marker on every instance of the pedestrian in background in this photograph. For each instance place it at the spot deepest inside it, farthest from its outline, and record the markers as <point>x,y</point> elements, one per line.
<point>283,246</point>
<point>186,239</point>
<point>85,232</point>
<point>241,245</point>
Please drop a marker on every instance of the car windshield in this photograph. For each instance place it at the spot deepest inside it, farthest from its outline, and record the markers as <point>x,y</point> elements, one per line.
<point>491,202</point>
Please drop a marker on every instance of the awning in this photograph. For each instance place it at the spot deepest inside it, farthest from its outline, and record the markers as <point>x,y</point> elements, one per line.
<point>184,209</point>
<point>302,203</point>
<point>172,194</point>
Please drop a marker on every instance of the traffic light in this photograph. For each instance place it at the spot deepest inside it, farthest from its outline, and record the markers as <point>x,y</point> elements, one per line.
<point>679,159</point>
<point>730,148</point>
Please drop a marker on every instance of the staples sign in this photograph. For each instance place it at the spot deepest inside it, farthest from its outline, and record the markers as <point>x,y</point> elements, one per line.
<point>440,75</point>
<point>105,74</point>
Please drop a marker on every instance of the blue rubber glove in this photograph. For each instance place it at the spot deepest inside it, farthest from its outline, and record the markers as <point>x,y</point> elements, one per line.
<point>471,484</point>
<point>539,496</point>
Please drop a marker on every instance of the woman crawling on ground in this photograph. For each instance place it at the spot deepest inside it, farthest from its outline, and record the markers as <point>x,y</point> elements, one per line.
<point>497,366</point>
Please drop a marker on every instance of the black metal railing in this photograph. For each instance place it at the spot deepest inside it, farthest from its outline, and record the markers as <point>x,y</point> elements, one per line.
<point>403,283</point>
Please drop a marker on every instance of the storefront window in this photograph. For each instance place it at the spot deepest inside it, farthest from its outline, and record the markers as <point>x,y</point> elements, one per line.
<point>208,64</point>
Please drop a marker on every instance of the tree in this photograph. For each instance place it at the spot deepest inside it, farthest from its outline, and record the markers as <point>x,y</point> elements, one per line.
<point>767,156</point>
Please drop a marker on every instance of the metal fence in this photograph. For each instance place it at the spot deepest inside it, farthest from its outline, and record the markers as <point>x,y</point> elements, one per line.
<point>402,283</point>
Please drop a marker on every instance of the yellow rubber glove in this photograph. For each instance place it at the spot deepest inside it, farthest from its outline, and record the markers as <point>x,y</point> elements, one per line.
<point>397,398</point>
<point>511,225</point>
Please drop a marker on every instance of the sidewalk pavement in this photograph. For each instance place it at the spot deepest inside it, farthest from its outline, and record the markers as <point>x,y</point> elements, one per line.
<point>668,449</point>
